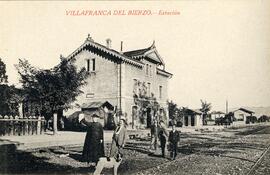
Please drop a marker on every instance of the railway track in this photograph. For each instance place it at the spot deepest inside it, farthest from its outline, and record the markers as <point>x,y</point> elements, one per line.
<point>214,145</point>
<point>259,160</point>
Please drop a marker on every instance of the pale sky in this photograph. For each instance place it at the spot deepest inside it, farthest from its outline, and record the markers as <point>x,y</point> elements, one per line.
<point>217,50</point>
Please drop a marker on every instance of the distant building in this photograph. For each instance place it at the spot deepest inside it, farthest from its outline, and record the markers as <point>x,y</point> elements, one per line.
<point>242,114</point>
<point>117,76</point>
<point>192,117</point>
<point>216,114</point>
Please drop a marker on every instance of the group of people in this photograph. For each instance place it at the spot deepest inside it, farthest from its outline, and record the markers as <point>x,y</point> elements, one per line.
<point>93,148</point>
<point>159,133</point>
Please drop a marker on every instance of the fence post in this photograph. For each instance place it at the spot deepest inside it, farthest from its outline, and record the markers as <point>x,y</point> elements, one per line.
<point>39,125</point>
<point>29,125</point>
<point>42,126</point>
<point>6,129</point>
<point>11,126</point>
<point>55,123</point>
<point>20,126</point>
<point>16,126</point>
<point>2,126</point>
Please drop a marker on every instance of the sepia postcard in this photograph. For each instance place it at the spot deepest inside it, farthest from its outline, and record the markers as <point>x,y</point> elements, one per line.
<point>135,87</point>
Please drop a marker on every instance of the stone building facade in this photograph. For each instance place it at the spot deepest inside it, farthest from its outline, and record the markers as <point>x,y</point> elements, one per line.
<point>117,76</point>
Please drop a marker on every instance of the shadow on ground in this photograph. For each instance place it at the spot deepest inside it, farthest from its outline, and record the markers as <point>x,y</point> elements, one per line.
<point>13,161</point>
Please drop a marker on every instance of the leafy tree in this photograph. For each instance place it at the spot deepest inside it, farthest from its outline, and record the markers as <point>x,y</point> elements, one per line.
<point>3,76</point>
<point>10,95</point>
<point>51,90</point>
<point>205,108</point>
<point>173,110</point>
<point>10,99</point>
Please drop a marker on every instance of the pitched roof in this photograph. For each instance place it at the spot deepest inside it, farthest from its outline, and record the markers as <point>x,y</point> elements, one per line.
<point>138,52</point>
<point>163,72</point>
<point>217,112</point>
<point>149,53</point>
<point>195,111</point>
<point>245,110</point>
<point>97,104</point>
<point>133,57</point>
<point>110,53</point>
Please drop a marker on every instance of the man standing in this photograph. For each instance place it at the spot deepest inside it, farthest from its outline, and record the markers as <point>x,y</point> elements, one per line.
<point>118,140</point>
<point>93,147</point>
<point>154,135</point>
<point>162,139</point>
<point>174,138</point>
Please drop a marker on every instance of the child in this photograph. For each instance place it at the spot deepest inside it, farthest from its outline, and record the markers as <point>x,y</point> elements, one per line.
<point>162,139</point>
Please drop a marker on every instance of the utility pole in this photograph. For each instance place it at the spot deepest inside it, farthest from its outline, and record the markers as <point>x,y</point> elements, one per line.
<point>226,106</point>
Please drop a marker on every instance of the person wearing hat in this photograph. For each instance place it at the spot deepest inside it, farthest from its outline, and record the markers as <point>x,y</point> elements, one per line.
<point>154,130</point>
<point>174,138</point>
<point>118,140</point>
<point>93,147</point>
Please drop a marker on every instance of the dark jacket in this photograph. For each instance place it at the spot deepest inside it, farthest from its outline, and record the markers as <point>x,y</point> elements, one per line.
<point>93,147</point>
<point>174,137</point>
<point>162,139</point>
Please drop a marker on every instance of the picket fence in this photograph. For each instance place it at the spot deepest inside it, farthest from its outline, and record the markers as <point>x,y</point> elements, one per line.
<point>18,126</point>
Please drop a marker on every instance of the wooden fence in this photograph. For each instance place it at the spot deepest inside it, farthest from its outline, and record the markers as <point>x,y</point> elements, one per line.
<point>18,126</point>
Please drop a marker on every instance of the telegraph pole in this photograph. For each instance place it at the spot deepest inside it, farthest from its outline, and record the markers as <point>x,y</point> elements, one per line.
<point>226,106</point>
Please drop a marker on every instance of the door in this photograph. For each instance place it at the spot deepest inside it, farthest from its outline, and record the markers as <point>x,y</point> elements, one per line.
<point>149,118</point>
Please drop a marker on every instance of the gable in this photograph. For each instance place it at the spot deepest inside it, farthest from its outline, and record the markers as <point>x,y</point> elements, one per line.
<point>153,57</point>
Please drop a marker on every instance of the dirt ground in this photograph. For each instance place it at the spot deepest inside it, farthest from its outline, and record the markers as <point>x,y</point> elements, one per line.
<point>230,151</point>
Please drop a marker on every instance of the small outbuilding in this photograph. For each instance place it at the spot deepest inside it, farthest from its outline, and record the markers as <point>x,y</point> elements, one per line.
<point>192,117</point>
<point>241,115</point>
<point>216,115</point>
<point>103,109</point>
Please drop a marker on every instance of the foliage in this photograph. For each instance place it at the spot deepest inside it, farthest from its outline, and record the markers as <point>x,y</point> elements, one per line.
<point>3,76</point>
<point>172,107</point>
<point>54,89</point>
<point>10,99</point>
<point>264,118</point>
<point>205,108</point>
<point>144,101</point>
<point>10,96</point>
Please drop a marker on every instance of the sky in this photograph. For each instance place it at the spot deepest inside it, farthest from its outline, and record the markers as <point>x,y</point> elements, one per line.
<point>216,50</point>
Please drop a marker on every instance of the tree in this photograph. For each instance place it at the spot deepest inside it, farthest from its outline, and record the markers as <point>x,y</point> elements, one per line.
<point>51,90</point>
<point>10,95</point>
<point>173,110</point>
<point>10,99</point>
<point>205,108</point>
<point>3,76</point>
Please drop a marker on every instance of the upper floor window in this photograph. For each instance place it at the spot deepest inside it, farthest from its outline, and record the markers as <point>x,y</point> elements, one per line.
<point>91,64</point>
<point>147,69</point>
<point>148,89</point>
<point>150,70</point>
<point>135,86</point>
<point>160,91</point>
<point>88,65</point>
<point>93,61</point>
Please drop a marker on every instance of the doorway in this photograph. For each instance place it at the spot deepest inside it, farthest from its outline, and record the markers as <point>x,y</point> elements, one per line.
<point>186,121</point>
<point>148,118</point>
<point>192,120</point>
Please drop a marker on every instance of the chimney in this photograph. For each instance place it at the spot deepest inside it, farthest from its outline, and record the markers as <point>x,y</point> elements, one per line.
<point>121,46</point>
<point>109,43</point>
